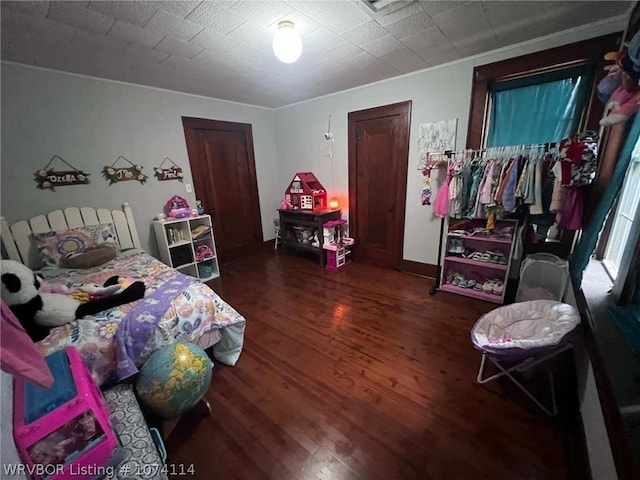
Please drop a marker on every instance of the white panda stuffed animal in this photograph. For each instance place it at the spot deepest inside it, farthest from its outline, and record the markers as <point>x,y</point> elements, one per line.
<point>39,311</point>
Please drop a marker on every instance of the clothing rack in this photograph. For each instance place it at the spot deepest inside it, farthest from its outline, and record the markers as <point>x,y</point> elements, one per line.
<point>434,157</point>
<point>436,286</point>
<point>449,154</point>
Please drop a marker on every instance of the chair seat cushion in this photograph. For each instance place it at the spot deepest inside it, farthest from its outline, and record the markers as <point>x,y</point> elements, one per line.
<point>524,326</point>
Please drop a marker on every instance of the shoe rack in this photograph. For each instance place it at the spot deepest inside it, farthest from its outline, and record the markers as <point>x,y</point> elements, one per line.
<point>477,261</point>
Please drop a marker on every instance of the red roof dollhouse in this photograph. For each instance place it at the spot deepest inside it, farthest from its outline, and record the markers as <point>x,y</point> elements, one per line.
<point>305,192</point>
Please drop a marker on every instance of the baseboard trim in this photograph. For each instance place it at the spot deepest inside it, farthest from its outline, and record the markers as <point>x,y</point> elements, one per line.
<point>269,245</point>
<point>419,268</point>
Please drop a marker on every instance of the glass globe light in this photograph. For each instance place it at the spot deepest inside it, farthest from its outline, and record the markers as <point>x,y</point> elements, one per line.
<point>287,44</point>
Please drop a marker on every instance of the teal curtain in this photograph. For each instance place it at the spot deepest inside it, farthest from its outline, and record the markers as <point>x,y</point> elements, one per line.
<point>546,111</point>
<point>580,257</point>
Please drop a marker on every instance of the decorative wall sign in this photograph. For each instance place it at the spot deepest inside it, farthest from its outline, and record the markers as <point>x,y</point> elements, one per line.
<point>48,178</point>
<point>123,174</point>
<point>434,140</point>
<point>174,172</point>
<point>436,137</point>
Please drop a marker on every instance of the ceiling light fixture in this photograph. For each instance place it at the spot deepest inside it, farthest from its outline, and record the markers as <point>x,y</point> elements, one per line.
<point>287,44</point>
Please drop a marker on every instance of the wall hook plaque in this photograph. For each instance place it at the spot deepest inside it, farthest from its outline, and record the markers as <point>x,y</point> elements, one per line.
<point>174,172</point>
<point>114,174</point>
<point>49,178</point>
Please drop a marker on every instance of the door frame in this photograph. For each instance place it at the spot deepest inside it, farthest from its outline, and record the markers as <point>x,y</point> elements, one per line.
<point>402,109</point>
<point>190,124</point>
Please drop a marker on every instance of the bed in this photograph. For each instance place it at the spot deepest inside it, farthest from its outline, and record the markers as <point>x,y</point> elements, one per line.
<point>116,342</point>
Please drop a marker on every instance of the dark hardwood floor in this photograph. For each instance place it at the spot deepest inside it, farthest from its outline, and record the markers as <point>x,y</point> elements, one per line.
<point>358,374</point>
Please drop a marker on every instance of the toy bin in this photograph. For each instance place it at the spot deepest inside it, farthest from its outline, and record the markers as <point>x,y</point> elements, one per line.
<point>64,431</point>
<point>543,276</point>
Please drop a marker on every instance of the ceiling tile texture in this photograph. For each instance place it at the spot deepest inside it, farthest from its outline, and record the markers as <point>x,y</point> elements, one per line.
<point>222,48</point>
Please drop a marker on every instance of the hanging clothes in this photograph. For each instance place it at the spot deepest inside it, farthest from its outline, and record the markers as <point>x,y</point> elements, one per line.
<point>509,195</point>
<point>546,218</point>
<point>441,204</point>
<point>456,190</point>
<point>571,216</point>
<point>490,183</point>
<point>579,155</point>
<point>536,208</point>
<point>559,192</point>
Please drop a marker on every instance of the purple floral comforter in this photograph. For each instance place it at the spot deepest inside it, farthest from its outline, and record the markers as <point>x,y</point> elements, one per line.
<point>116,342</point>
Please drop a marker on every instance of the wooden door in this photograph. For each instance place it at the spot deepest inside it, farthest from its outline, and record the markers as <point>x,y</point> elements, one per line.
<point>224,178</point>
<point>378,156</point>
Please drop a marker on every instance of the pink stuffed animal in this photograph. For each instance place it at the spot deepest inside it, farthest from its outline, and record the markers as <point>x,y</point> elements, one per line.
<point>625,99</point>
<point>285,205</point>
<point>622,104</point>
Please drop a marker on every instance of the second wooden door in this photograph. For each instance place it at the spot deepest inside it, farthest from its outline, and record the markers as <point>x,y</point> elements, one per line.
<point>378,156</point>
<point>224,177</point>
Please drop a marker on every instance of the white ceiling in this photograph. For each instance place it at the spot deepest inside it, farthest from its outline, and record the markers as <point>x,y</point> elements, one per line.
<point>222,49</point>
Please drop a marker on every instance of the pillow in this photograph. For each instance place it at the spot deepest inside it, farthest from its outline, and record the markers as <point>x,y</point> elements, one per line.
<point>55,245</point>
<point>91,257</point>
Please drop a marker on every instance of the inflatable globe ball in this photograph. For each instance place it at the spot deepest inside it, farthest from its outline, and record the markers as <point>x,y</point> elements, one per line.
<point>174,379</point>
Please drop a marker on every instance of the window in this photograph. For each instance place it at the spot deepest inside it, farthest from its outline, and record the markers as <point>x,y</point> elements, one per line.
<point>588,53</point>
<point>539,108</point>
<point>624,217</point>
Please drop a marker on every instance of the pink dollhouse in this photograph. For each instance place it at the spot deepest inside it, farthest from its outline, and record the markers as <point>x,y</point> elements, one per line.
<point>305,192</point>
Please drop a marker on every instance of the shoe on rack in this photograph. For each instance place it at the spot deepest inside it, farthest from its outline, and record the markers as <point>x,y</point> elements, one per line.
<point>454,245</point>
<point>477,256</point>
<point>495,255</point>
<point>485,257</point>
<point>468,253</point>
<point>457,246</point>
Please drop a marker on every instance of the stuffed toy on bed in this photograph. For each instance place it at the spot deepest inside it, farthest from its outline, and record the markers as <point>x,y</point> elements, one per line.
<point>39,311</point>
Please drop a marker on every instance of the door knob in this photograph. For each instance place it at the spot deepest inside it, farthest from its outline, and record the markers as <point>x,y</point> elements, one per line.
<point>390,208</point>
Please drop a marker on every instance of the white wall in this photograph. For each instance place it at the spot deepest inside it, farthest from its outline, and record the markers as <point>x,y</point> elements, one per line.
<point>90,122</point>
<point>439,93</point>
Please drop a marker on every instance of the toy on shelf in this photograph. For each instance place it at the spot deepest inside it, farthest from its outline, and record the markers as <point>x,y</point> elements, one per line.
<point>336,244</point>
<point>177,207</point>
<point>285,204</point>
<point>304,235</point>
<point>203,252</point>
<point>305,192</point>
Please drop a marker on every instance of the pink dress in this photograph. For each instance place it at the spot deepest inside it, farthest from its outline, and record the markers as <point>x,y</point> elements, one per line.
<point>441,205</point>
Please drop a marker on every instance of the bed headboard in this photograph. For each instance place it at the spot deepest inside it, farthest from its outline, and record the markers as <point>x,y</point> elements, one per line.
<point>17,244</point>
